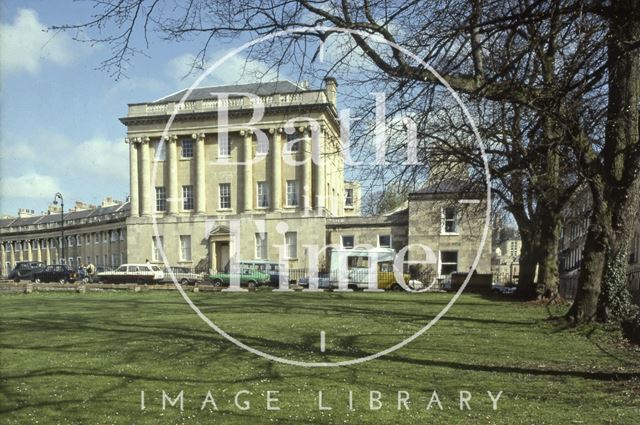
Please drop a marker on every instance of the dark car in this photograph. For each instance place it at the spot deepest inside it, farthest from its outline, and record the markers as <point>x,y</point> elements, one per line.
<point>55,273</point>
<point>24,270</point>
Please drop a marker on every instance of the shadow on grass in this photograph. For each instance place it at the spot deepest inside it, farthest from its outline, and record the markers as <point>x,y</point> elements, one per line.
<point>91,323</point>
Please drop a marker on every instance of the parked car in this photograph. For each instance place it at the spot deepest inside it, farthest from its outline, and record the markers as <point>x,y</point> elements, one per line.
<point>248,277</point>
<point>55,273</point>
<point>323,281</point>
<point>24,270</point>
<point>272,268</point>
<point>183,275</point>
<point>503,290</point>
<point>133,273</point>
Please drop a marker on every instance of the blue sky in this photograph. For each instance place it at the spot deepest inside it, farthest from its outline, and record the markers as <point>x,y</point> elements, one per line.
<point>59,128</point>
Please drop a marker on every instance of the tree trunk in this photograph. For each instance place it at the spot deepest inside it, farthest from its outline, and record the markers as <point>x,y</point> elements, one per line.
<point>621,153</point>
<point>585,304</point>
<point>614,185</point>
<point>528,264</point>
<point>548,276</point>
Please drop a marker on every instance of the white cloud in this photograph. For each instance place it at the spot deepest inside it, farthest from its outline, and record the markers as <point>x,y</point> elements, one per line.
<point>25,44</point>
<point>86,170</point>
<point>30,186</point>
<point>101,158</point>
<point>235,70</point>
<point>139,86</point>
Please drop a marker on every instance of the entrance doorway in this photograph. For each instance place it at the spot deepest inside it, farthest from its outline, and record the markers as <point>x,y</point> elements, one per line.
<point>222,256</point>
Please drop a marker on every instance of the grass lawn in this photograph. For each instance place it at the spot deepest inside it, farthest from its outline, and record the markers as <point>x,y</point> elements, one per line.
<point>84,359</point>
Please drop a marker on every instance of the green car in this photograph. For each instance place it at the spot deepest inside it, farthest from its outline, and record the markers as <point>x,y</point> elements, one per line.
<point>248,277</point>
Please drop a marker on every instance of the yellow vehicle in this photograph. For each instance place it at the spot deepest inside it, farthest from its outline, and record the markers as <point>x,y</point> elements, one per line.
<point>387,279</point>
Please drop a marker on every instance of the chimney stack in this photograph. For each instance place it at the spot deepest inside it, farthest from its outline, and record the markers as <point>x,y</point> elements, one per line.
<point>25,212</point>
<point>331,90</point>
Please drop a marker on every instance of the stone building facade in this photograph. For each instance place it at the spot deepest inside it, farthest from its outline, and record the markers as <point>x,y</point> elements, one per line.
<point>277,179</point>
<point>92,234</point>
<point>505,265</point>
<point>224,180</point>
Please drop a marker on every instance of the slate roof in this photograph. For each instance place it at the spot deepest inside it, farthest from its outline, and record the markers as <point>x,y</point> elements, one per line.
<point>259,89</point>
<point>73,215</point>
<point>398,218</point>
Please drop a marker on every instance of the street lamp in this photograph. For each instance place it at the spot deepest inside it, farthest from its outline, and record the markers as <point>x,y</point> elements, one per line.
<point>57,196</point>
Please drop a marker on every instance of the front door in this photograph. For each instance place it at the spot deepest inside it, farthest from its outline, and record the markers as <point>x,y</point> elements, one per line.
<point>222,256</point>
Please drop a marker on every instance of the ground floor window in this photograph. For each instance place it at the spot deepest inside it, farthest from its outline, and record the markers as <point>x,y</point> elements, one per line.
<point>155,248</point>
<point>384,241</point>
<point>185,247</point>
<point>261,246</point>
<point>291,241</point>
<point>348,241</point>
<point>448,262</point>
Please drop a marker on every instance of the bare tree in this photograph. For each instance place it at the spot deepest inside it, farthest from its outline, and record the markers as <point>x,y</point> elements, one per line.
<point>561,79</point>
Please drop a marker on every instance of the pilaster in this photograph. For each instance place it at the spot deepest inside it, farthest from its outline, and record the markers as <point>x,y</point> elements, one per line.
<point>201,201</point>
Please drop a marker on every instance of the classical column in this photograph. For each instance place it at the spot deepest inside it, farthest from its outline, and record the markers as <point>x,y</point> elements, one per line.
<point>145,177</point>
<point>39,250</point>
<point>47,252</point>
<point>21,256</point>
<point>307,187</point>
<point>3,259</point>
<point>29,251</point>
<point>318,151</point>
<point>173,198</point>
<point>201,200</point>
<point>133,177</point>
<point>247,167</point>
<point>276,170</point>
<point>12,251</point>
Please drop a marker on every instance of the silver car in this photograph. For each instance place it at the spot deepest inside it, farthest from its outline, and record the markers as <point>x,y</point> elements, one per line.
<point>183,275</point>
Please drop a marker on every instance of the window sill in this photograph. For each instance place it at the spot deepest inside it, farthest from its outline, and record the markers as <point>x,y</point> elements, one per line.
<point>291,207</point>
<point>186,159</point>
<point>449,234</point>
<point>224,210</point>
